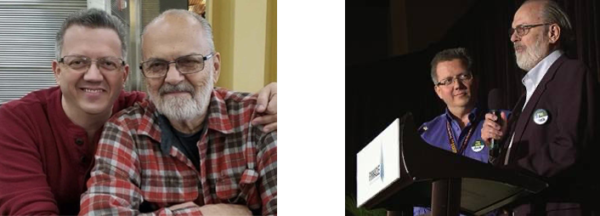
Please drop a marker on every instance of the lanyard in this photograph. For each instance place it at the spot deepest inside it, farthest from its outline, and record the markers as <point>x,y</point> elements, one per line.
<point>453,143</point>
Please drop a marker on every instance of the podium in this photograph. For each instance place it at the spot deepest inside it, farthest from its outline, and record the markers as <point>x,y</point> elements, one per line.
<point>409,172</point>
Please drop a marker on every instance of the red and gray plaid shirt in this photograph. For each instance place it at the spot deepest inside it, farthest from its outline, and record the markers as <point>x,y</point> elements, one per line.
<point>238,163</point>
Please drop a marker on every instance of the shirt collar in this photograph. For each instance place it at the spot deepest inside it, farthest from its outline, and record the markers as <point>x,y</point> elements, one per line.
<point>472,115</point>
<point>535,75</point>
<point>218,117</point>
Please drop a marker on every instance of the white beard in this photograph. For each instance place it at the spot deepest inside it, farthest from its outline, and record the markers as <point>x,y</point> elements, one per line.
<point>181,109</point>
<point>533,55</point>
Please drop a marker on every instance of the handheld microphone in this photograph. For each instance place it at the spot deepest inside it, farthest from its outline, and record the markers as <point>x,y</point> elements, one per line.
<point>494,104</point>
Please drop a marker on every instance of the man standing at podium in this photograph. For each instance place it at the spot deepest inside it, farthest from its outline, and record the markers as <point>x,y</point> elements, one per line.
<point>458,129</point>
<point>553,132</point>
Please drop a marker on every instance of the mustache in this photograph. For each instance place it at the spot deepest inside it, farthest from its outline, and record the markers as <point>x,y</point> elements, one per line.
<point>461,92</point>
<point>181,87</point>
<point>518,46</point>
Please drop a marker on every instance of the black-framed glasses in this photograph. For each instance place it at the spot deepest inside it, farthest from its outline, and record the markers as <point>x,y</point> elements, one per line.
<point>522,30</point>
<point>154,68</point>
<point>80,63</point>
<point>461,77</point>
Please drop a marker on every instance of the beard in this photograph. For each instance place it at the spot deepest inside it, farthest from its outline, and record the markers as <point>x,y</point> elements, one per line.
<point>181,108</point>
<point>532,55</point>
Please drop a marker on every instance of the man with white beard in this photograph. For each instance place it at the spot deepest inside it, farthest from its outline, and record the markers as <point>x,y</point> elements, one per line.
<point>192,148</point>
<point>553,129</point>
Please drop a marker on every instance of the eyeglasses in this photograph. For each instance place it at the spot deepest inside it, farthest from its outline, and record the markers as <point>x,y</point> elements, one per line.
<point>188,64</point>
<point>83,63</point>
<point>448,81</point>
<point>522,30</point>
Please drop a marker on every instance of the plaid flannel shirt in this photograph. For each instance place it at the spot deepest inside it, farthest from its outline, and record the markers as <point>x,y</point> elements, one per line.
<point>133,170</point>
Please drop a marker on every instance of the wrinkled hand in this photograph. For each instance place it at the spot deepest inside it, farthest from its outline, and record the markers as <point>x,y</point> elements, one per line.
<point>267,106</point>
<point>215,209</point>
<point>182,206</point>
<point>491,129</point>
<point>225,209</point>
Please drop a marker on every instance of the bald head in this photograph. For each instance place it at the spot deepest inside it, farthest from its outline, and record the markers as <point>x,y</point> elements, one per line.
<point>530,12</point>
<point>179,21</point>
<point>184,38</point>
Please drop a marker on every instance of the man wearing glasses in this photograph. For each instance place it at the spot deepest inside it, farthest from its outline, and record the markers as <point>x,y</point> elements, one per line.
<point>191,147</point>
<point>48,137</point>
<point>553,132</point>
<point>458,129</point>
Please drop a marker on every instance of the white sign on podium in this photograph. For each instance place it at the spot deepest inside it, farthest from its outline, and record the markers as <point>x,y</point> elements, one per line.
<point>378,164</point>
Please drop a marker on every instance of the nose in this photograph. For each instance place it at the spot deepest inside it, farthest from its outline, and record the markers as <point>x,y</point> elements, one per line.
<point>173,76</point>
<point>93,74</point>
<point>514,37</point>
<point>457,84</point>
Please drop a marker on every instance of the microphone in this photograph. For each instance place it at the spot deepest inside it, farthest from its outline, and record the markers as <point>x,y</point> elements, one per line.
<point>494,104</point>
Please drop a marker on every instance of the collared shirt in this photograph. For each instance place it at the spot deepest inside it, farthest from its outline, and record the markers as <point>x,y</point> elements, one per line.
<point>435,133</point>
<point>238,162</point>
<point>531,80</point>
<point>535,75</point>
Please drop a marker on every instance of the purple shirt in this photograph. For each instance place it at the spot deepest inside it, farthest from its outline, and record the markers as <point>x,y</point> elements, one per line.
<point>435,133</point>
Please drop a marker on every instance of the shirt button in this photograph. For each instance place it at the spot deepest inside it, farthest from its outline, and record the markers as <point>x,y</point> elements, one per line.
<point>79,141</point>
<point>84,159</point>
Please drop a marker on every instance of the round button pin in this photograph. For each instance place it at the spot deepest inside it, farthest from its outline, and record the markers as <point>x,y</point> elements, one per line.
<point>477,146</point>
<point>540,116</point>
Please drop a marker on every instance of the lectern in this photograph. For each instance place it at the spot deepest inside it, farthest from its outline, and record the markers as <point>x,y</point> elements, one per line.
<point>398,169</point>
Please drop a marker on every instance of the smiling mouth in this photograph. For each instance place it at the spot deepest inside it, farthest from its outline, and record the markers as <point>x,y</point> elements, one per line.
<point>92,90</point>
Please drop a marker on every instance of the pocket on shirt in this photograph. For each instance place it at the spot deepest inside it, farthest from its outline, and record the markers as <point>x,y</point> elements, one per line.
<point>239,191</point>
<point>227,189</point>
<point>248,189</point>
<point>170,186</point>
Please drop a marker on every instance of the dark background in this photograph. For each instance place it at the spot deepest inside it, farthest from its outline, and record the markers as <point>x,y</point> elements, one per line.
<point>390,43</point>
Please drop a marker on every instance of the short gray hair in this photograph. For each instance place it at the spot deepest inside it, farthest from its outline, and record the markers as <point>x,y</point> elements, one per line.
<point>92,18</point>
<point>206,28</point>
<point>449,55</point>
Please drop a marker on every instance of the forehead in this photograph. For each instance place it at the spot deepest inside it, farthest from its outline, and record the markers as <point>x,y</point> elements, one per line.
<point>173,36</point>
<point>528,13</point>
<point>450,68</point>
<point>91,42</point>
